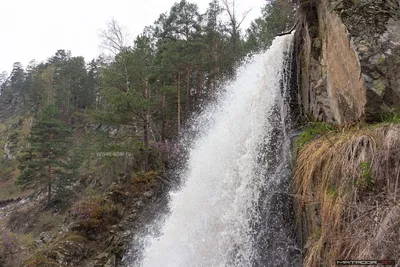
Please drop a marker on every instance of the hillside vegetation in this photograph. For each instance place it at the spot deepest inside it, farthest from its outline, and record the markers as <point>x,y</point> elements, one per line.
<point>88,148</point>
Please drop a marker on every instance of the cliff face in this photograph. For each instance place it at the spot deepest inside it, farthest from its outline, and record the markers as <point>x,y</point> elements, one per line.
<point>349,59</point>
<point>346,180</point>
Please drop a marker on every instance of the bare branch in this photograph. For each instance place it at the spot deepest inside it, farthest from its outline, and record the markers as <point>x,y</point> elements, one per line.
<point>228,9</point>
<point>288,32</point>
<point>244,17</point>
<point>114,38</point>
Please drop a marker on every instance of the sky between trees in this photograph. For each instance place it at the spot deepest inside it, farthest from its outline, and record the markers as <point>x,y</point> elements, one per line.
<point>36,29</point>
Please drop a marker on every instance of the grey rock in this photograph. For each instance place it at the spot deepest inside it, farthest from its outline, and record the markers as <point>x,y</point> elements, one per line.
<point>111,262</point>
<point>8,155</point>
<point>368,29</point>
<point>139,204</point>
<point>148,193</point>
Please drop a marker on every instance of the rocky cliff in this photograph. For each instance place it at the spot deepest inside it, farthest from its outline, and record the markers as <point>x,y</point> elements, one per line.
<point>349,55</point>
<point>11,104</point>
<point>347,169</point>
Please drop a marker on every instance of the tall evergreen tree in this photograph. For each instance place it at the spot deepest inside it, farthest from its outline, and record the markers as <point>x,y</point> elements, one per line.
<point>44,162</point>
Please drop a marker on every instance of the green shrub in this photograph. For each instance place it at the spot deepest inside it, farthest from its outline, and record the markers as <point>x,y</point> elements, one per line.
<point>314,130</point>
<point>46,222</point>
<point>365,181</point>
<point>392,116</point>
<point>95,215</point>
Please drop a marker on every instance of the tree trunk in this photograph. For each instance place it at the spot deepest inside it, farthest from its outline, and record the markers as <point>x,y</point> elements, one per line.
<point>146,145</point>
<point>187,100</point>
<point>199,91</point>
<point>214,70</point>
<point>126,77</point>
<point>234,36</point>
<point>146,130</point>
<point>50,173</point>
<point>163,107</point>
<point>179,103</point>
<point>199,88</point>
<point>289,31</point>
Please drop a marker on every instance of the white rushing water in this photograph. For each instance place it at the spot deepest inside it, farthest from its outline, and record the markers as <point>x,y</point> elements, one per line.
<point>212,215</point>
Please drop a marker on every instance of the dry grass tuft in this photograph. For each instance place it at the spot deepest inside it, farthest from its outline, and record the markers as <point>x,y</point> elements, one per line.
<point>346,187</point>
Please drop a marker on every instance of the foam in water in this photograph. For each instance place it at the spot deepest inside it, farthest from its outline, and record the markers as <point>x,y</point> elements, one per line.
<point>212,216</point>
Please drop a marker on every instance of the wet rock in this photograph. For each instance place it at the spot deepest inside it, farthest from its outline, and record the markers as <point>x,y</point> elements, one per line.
<point>126,234</point>
<point>70,253</point>
<point>111,262</point>
<point>44,238</point>
<point>277,241</point>
<point>139,204</point>
<point>118,196</point>
<point>148,193</point>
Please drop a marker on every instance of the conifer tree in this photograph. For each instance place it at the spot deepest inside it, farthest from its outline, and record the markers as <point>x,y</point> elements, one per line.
<point>44,162</point>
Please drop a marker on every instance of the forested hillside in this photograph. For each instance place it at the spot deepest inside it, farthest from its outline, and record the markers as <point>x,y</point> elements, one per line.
<point>83,141</point>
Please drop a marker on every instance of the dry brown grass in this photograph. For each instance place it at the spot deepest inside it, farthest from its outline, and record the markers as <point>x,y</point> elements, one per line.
<point>346,188</point>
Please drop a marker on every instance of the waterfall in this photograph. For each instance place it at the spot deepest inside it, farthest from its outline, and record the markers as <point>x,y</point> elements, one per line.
<point>231,209</point>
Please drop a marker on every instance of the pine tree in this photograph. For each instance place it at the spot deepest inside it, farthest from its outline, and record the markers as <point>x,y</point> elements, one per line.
<point>277,16</point>
<point>44,163</point>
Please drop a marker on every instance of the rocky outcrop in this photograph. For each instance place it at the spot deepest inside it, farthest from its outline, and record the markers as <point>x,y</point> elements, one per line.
<point>83,242</point>
<point>6,202</point>
<point>11,105</point>
<point>10,146</point>
<point>349,55</point>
